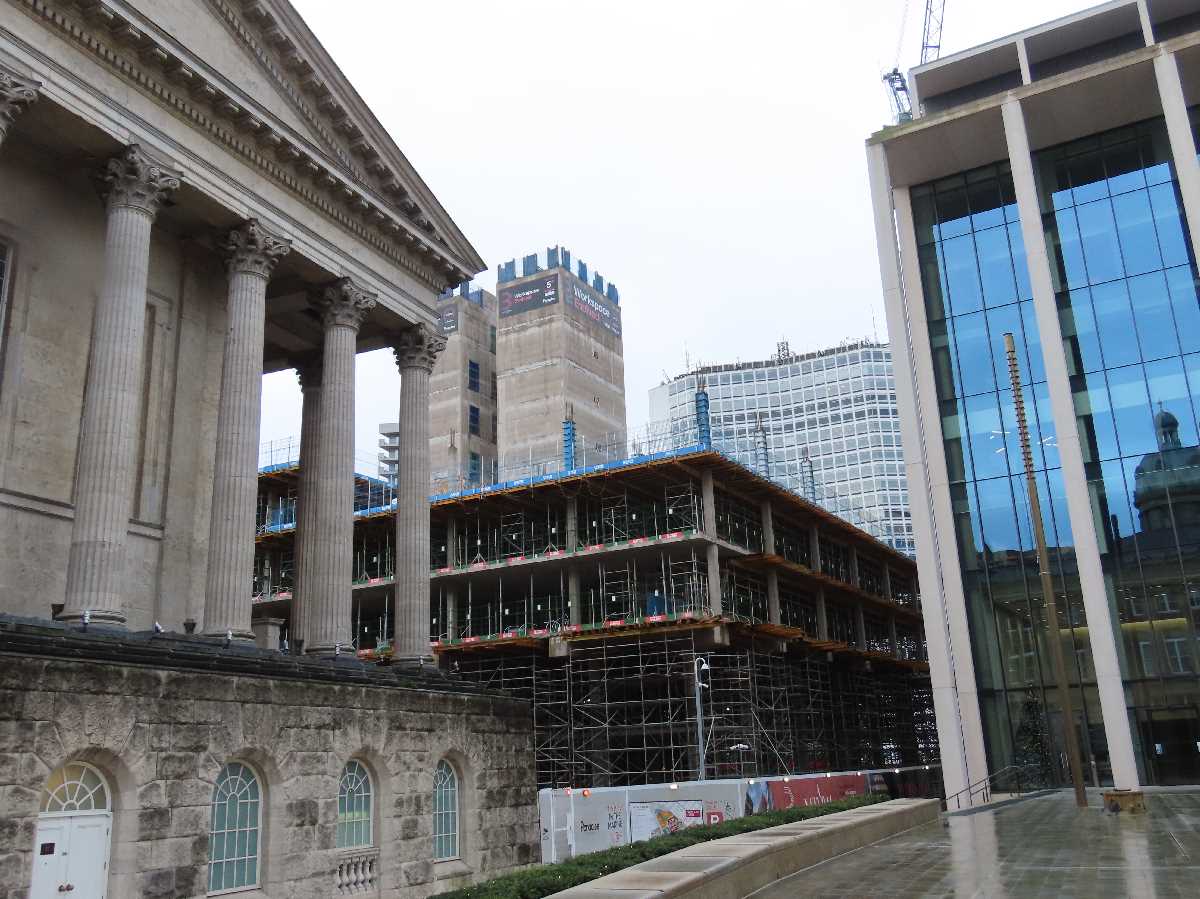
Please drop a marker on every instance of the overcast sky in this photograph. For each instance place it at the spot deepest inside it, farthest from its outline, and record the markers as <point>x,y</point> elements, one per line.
<point>705,156</point>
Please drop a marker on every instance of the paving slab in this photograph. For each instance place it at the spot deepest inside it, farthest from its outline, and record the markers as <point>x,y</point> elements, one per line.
<point>1041,847</point>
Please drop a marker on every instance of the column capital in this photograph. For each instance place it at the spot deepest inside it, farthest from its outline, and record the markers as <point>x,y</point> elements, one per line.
<point>252,249</point>
<point>418,347</point>
<point>309,373</point>
<point>133,179</point>
<point>15,94</point>
<point>343,303</point>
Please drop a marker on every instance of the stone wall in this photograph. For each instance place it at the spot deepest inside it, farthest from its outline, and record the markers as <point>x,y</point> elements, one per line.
<point>161,736</point>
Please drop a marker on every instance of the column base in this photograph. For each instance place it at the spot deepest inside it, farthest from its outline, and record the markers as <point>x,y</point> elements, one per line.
<point>1131,801</point>
<point>330,650</point>
<point>238,636</point>
<point>103,617</point>
<point>428,661</point>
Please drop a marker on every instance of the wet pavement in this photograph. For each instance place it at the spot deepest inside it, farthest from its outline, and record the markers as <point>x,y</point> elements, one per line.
<point>1037,847</point>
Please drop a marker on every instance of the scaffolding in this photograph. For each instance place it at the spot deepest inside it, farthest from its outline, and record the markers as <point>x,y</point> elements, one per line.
<point>615,517</point>
<point>738,522</point>
<point>744,596</point>
<point>810,694</point>
<point>832,681</point>
<point>620,710</point>
<point>749,731</point>
<point>835,560</point>
<point>633,715</point>
<point>859,732</point>
<point>542,681</point>
<point>794,545</point>
<point>798,608</point>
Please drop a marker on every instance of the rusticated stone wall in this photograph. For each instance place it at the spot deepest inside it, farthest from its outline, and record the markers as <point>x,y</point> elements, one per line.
<point>161,735</point>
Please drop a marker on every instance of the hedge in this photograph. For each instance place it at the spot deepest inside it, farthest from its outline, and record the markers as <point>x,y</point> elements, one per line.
<point>544,880</point>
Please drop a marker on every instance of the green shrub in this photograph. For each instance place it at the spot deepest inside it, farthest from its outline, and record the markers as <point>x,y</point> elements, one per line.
<point>538,881</point>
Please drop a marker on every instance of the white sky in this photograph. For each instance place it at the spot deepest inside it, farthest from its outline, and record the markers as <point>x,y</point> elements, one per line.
<point>705,156</point>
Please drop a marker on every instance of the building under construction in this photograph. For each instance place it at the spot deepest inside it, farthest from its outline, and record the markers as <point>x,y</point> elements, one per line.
<point>601,594</point>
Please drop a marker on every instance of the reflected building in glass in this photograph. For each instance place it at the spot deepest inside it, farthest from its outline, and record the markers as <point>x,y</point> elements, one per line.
<point>1048,187</point>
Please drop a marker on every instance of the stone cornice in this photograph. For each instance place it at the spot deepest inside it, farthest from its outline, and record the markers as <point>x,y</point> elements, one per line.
<point>35,638</point>
<point>170,75</point>
<point>252,249</point>
<point>300,66</point>
<point>341,108</point>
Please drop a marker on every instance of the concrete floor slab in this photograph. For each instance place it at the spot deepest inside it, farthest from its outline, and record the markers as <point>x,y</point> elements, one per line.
<point>1043,847</point>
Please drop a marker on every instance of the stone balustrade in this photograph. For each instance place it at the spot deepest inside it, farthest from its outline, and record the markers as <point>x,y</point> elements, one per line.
<point>356,873</point>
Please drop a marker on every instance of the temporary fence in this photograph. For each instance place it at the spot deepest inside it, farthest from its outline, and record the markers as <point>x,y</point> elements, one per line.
<point>579,821</point>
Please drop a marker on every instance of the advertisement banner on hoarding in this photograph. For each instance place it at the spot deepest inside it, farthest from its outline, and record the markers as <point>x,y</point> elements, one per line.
<point>531,295</point>
<point>598,821</point>
<point>579,821</point>
<point>448,319</point>
<point>656,819</point>
<point>815,790</point>
<point>758,797</point>
<point>591,306</point>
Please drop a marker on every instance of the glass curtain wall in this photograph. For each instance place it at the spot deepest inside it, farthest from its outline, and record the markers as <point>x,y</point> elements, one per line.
<point>976,288</point>
<point>1126,289</point>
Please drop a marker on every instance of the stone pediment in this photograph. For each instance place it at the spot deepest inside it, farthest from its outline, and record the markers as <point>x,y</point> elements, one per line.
<point>254,68</point>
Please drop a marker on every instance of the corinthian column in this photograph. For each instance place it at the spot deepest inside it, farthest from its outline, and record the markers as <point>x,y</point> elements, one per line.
<point>416,349</point>
<point>309,375</point>
<point>15,94</point>
<point>343,306</point>
<point>252,254</point>
<point>134,188</point>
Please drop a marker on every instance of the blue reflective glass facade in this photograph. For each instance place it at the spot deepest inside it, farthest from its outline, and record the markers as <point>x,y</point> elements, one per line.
<point>976,289</point>
<point>1126,289</point>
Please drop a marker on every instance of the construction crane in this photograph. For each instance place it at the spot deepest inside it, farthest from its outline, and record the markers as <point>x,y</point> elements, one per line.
<point>931,49</point>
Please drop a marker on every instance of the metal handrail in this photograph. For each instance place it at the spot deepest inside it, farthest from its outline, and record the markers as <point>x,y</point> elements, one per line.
<point>984,786</point>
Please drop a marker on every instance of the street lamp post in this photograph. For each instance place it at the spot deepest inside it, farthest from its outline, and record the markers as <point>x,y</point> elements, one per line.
<point>699,665</point>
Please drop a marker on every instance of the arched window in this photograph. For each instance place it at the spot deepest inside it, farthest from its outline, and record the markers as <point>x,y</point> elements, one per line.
<point>354,806</point>
<point>233,835</point>
<point>75,788</point>
<point>445,812</point>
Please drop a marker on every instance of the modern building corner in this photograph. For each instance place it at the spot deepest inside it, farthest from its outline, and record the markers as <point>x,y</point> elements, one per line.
<point>1047,187</point>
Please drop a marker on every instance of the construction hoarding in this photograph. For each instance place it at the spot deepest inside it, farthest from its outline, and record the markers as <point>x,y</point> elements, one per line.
<point>579,821</point>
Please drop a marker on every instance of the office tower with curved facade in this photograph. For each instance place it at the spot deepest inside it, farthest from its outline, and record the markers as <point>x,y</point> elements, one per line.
<point>821,423</point>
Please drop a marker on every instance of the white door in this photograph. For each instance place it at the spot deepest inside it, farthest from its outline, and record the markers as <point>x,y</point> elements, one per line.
<point>50,857</point>
<point>70,857</point>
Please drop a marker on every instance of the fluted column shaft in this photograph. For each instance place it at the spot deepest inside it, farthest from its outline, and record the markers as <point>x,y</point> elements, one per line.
<point>416,351</point>
<point>306,532</point>
<point>327,616</point>
<point>134,187</point>
<point>252,254</point>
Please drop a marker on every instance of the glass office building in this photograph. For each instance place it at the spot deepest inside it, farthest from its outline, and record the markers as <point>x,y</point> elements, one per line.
<point>823,423</point>
<point>1067,228</point>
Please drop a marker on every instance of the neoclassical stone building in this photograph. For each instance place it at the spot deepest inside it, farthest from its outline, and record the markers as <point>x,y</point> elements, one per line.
<point>192,194</point>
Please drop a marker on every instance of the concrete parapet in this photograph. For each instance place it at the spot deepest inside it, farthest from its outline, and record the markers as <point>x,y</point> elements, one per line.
<point>736,866</point>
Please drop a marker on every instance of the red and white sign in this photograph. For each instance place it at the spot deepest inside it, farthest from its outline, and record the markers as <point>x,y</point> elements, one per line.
<point>815,790</point>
